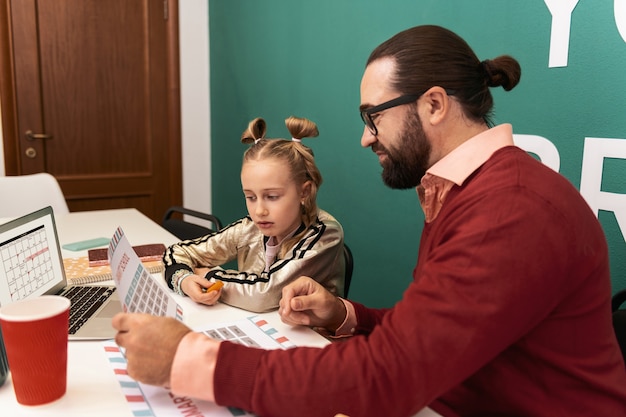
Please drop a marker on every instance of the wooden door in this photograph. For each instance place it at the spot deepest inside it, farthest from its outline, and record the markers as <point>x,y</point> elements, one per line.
<point>89,92</point>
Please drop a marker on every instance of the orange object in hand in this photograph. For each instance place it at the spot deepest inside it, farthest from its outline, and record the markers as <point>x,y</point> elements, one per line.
<point>216,286</point>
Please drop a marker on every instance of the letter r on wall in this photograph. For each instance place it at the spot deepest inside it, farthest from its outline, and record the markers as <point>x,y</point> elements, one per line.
<point>596,150</point>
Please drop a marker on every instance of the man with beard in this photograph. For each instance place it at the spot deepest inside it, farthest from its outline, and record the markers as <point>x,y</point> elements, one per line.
<point>509,310</point>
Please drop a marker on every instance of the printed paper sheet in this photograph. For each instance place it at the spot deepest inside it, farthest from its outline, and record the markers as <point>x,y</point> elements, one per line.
<point>138,289</point>
<point>149,401</point>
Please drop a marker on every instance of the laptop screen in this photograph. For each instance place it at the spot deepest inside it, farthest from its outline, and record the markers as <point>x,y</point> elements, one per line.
<point>30,257</point>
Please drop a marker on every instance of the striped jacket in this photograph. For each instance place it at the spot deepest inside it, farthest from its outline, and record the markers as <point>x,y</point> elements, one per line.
<point>319,255</point>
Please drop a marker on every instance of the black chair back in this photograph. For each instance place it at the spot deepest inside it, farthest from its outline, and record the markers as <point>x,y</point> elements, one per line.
<point>185,230</point>
<point>347,254</point>
<point>619,320</point>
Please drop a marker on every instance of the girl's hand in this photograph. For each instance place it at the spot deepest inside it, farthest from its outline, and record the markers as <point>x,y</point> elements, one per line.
<point>195,287</point>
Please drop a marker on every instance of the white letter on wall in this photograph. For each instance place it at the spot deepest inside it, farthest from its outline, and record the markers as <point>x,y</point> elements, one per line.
<point>540,146</point>
<point>561,11</point>
<point>619,10</point>
<point>594,153</point>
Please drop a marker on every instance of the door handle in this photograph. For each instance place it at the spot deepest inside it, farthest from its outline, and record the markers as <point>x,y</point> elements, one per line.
<point>32,136</point>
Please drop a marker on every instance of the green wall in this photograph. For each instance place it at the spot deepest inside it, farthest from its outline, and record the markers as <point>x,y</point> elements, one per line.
<point>276,58</point>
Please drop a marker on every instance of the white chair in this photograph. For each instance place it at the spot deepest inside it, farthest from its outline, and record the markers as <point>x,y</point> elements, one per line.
<point>23,194</point>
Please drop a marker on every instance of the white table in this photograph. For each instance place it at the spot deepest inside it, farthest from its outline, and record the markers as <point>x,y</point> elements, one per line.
<point>92,388</point>
<point>84,225</point>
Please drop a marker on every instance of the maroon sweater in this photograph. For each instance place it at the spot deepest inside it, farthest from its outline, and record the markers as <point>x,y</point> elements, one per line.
<point>508,314</point>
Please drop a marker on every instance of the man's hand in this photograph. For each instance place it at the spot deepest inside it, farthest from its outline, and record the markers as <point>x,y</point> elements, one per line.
<point>305,302</point>
<point>194,286</point>
<point>150,343</point>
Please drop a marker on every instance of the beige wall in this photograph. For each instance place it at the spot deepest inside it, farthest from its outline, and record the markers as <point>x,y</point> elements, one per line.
<point>195,109</point>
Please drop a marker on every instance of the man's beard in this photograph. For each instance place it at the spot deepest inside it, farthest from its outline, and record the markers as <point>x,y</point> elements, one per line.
<point>404,168</point>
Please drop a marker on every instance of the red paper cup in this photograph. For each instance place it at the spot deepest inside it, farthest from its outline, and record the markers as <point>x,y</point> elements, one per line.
<point>35,337</point>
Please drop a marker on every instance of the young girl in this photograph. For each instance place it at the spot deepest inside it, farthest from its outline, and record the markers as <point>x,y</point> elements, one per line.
<point>284,236</point>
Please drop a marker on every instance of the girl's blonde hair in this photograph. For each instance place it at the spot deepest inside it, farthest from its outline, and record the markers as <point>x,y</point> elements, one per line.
<point>297,156</point>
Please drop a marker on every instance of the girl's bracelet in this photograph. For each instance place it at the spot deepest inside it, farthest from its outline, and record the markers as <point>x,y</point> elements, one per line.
<point>177,280</point>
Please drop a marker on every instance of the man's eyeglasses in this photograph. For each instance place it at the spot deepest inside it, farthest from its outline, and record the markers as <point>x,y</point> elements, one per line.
<point>366,114</point>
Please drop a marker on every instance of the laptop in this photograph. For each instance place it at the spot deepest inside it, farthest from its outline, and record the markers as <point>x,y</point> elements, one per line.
<point>31,265</point>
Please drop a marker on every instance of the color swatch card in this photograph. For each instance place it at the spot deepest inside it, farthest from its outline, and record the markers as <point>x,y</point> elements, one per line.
<point>149,401</point>
<point>138,289</point>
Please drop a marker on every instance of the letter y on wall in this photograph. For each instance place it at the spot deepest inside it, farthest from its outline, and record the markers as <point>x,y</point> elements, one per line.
<point>561,11</point>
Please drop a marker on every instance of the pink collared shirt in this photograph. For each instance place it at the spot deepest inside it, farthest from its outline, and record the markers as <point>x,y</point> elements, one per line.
<point>459,164</point>
<point>194,351</point>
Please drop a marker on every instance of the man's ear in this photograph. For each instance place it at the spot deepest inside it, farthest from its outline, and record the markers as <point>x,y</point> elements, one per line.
<point>437,105</point>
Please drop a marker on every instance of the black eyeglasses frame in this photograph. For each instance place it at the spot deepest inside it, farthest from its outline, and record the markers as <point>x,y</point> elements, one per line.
<point>366,114</point>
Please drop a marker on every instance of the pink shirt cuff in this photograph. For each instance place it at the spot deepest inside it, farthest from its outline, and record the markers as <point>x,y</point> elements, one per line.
<point>348,326</point>
<point>194,366</point>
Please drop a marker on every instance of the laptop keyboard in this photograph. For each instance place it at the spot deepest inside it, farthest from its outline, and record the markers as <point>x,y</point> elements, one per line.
<point>85,301</point>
